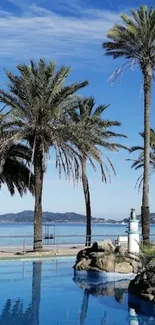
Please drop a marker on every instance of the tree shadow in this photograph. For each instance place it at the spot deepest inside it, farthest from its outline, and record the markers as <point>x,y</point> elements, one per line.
<point>14,313</point>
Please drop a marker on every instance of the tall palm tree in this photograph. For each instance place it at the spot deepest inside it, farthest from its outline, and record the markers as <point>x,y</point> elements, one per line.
<point>40,101</point>
<point>100,133</point>
<point>138,163</point>
<point>134,40</point>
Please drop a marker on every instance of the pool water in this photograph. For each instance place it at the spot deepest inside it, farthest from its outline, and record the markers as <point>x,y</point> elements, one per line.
<point>49,293</point>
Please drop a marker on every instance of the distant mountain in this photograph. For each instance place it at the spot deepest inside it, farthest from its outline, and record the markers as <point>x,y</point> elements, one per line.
<point>27,216</point>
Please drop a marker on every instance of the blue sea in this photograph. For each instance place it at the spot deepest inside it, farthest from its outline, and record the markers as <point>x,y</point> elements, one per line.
<point>64,233</point>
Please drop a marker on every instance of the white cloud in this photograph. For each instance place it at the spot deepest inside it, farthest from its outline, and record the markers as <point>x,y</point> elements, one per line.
<point>4,13</point>
<point>41,32</point>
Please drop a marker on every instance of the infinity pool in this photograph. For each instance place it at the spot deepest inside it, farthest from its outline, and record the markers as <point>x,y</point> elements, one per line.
<point>48,293</point>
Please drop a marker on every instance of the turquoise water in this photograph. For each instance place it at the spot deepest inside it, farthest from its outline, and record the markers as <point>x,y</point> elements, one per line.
<point>48,293</point>
<point>99,231</point>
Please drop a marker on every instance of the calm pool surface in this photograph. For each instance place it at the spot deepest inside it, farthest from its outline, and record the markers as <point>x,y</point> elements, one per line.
<point>48,293</point>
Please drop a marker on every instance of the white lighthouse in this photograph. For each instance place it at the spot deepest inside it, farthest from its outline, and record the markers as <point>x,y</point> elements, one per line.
<point>133,233</point>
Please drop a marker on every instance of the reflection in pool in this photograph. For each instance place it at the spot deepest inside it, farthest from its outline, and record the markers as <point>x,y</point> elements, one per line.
<point>118,290</point>
<point>48,292</point>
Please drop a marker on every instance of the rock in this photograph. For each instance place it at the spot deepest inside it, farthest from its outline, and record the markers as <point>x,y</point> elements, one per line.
<point>104,246</point>
<point>96,255</point>
<point>120,250</point>
<point>84,253</point>
<point>81,254</point>
<point>136,266</point>
<point>103,256</point>
<point>134,257</point>
<point>151,291</point>
<point>123,267</point>
<point>82,265</point>
<point>147,296</point>
<point>106,264</point>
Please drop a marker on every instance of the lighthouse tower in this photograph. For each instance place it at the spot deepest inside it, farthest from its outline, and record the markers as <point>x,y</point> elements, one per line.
<point>133,233</point>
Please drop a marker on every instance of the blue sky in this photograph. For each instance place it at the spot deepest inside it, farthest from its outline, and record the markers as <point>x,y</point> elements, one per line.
<point>71,32</point>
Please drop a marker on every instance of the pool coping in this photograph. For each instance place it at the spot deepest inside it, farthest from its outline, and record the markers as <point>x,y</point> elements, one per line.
<point>33,257</point>
<point>17,254</point>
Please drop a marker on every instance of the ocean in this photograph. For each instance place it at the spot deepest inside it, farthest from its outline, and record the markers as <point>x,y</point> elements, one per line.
<point>64,233</point>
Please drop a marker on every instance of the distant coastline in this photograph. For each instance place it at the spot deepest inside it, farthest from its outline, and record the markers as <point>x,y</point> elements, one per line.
<point>48,217</point>
<point>68,217</point>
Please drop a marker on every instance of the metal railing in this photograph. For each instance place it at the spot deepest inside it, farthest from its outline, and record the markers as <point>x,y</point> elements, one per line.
<point>21,243</point>
<point>14,243</point>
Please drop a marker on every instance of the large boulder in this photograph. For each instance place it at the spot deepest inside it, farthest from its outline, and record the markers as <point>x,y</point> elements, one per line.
<point>123,267</point>
<point>83,264</point>
<point>106,264</point>
<point>84,253</point>
<point>104,246</point>
<point>96,255</point>
<point>121,250</point>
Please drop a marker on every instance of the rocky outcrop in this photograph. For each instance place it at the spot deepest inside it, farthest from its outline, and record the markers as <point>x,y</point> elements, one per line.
<point>104,256</point>
<point>143,286</point>
<point>104,246</point>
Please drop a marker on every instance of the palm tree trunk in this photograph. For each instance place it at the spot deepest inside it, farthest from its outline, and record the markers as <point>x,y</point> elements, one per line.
<point>87,202</point>
<point>38,179</point>
<point>145,213</point>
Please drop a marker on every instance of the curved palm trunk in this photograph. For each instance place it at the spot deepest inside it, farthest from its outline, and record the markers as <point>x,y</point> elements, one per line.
<point>87,202</point>
<point>38,179</point>
<point>145,213</point>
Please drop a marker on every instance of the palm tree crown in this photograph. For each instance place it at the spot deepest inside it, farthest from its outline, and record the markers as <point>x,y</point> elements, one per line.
<point>134,39</point>
<point>99,131</point>
<point>40,103</point>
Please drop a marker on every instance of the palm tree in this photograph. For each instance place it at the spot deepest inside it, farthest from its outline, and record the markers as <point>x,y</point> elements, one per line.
<point>40,102</point>
<point>100,133</point>
<point>138,163</point>
<point>134,40</point>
